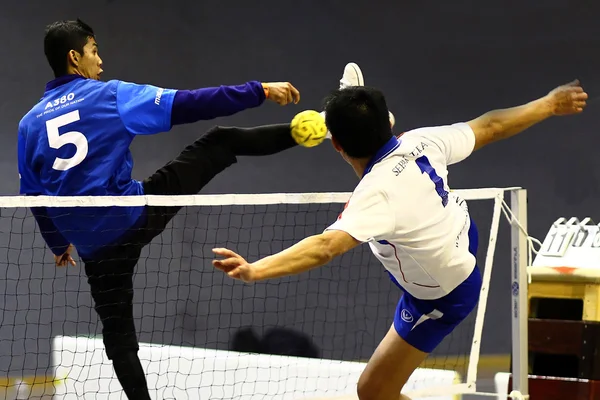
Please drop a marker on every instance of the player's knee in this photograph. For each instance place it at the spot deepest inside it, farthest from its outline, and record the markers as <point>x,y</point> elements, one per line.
<point>213,131</point>
<point>368,388</point>
<point>119,336</point>
<point>378,387</point>
<point>219,140</point>
<point>219,134</point>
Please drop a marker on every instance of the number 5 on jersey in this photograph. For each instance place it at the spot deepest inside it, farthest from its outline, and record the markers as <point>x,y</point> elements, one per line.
<point>56,140</point>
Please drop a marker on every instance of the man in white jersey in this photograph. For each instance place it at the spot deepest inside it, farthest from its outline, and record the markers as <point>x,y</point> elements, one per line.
<point>403,208</point>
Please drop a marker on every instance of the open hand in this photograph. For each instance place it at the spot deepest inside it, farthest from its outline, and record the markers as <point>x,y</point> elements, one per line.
<point>234,265</point>
<point>568,99</point>
<point>283,93</point>
<point>65,259</point>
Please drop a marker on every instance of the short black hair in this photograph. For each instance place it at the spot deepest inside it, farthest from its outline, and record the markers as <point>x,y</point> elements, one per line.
<point>358,119</point>
<point>61,37</point>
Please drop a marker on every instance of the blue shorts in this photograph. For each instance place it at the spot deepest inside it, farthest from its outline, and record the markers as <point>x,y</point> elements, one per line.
<point>425,323</point>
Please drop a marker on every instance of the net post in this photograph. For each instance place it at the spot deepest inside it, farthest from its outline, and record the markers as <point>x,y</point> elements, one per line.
<point>519,302</point>
<point>485,286</point>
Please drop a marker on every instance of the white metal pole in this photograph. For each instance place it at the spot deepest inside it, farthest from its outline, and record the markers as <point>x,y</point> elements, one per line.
<point>519,302</point>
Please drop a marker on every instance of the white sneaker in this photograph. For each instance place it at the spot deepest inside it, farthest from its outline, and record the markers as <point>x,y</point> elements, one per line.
<point>352,76</point>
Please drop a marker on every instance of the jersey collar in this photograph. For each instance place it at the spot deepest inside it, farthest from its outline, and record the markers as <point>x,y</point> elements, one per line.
<point>61,80</point>
<point>383,152</point>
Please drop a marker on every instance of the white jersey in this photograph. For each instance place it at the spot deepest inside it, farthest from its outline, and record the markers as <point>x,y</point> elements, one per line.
<point>404,209</point>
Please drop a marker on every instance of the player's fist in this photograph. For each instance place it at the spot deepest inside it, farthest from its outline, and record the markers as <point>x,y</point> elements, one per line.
<point>66,258</point>
<point>568,99</point>
<point>234,265</point>
<point>282,93</point>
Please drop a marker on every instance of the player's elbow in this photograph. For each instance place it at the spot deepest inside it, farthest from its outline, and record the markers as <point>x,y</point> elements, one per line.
<point>335,243</point>
<point>326,250</point>
<point>487,129</point>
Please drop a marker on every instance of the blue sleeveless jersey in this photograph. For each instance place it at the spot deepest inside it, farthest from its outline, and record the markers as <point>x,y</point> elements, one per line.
<point>75,142</point>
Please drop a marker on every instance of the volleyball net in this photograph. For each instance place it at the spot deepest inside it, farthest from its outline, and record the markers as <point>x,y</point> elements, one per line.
<point>205,336</point>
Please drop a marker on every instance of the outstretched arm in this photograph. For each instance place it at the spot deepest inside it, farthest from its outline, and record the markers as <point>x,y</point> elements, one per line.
<point>147,109</point>
<point>502,124</point>
<point>312,252</point>
<point>366,217</point>
<point>207,103</point>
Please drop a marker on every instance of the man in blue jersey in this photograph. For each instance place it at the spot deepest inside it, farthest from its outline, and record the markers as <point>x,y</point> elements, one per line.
<point>75,142</point>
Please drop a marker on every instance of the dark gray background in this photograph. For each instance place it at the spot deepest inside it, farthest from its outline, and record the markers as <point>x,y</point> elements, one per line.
<point>437,61</point>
